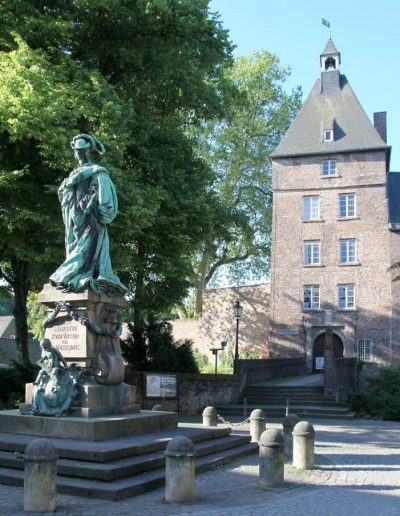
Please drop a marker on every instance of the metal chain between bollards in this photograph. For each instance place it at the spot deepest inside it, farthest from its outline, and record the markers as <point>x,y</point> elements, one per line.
<point>232,424</point>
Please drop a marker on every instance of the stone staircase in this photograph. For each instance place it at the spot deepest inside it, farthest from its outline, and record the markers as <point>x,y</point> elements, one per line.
<point>123,467</point>
<point>305,401</point>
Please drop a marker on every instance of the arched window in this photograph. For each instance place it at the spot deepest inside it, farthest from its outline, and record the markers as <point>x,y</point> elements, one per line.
<point>330,63</point>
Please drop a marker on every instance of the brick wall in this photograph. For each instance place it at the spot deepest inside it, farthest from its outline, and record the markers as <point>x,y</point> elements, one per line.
<point>195,392</point>
<point>292,329</point>
<point>252,371</point>
<point>218,322</point>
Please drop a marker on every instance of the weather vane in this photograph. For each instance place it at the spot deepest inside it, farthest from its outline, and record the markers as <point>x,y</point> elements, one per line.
<point>327,24</point>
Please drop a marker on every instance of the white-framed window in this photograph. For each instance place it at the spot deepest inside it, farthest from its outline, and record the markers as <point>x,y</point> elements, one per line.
<point>311,297</point>
<point>365,348</point>
<point>328,167</point>
<point>310,207</point>
<point>347,205</point>
<point>327,135</point>
<point>346,296</point>
<point>347,250</point>
<point>312,252</point>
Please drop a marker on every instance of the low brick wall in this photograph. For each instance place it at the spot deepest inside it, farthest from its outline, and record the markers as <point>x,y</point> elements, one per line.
<point>195,391</point>
<point>340,379</point>
<point>258,370</point>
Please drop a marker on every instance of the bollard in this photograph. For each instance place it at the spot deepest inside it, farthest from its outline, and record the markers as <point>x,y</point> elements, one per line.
<point>180,471</point>
<point>288,424</point>
<point>157,407</point>
<point>40,480</point>
<point>303,445</point>
<point>210,416</point>
<point>271,458</point>
<point>257,424</point>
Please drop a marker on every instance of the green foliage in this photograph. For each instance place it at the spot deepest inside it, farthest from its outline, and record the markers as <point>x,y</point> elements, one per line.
<point>221,369</point>
<point>162,353</point>
<point>201,360</point>
<point>249,355</point>
<point>136,74</point>
<point>382,399</point>
<point>13,380</point>
<point>226,357</point>
<point>360,404</point>
<point>237,150</point>
<point>36,316</point>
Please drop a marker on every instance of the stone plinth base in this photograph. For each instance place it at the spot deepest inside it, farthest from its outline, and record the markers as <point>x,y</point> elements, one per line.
<point>97,400</point>
<point>87,429</point>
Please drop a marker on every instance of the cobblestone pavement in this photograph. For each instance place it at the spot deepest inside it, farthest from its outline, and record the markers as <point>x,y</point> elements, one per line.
<point>357,473</point>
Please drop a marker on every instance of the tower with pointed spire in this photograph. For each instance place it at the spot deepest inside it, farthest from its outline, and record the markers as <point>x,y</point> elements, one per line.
<point>334,229</point>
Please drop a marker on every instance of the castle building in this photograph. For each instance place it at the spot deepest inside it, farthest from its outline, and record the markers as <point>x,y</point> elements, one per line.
<point>336,230</point>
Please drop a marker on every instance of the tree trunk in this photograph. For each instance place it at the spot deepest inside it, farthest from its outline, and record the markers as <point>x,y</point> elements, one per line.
<point>139,341</point>
<point>201,281</point>
<point>21,287</point>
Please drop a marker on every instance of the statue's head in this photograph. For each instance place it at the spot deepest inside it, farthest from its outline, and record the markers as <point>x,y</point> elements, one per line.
<point>45,344</point>
<point>83,144</point>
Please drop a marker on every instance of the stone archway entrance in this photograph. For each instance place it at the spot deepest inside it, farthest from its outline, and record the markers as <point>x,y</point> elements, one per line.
<point>318,350</point>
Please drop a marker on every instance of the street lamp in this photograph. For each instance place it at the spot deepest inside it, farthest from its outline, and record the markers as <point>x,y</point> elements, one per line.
<point>237,310</point>
<point>215,352</point>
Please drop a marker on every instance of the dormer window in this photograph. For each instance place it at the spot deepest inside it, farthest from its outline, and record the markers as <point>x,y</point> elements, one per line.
<point>327,135</point>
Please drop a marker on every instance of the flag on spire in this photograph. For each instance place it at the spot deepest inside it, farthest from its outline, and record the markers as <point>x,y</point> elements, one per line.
<point>326,23</point>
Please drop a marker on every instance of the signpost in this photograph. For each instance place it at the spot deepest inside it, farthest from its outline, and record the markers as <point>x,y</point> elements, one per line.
<point>161,385</point>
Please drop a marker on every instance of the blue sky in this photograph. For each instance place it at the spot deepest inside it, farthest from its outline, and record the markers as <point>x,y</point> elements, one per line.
<point>366,33</point>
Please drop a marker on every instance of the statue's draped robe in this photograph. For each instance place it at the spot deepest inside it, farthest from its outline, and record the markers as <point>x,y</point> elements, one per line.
<point>88,202</point>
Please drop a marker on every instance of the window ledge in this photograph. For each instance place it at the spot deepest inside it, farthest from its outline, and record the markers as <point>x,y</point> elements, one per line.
<point>348,218</point>
<point>329,176</point>
<point>349,264</point>
<point>313,265</point>
<point>308,310</point>
<point>313,220</point>
<point>347,309</point>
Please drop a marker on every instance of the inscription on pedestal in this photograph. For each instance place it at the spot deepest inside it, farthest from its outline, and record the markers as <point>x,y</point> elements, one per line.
<point>69,337</point>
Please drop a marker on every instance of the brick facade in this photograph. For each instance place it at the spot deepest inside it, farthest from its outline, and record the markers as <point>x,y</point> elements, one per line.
<point>376,314</point>
<point>218,322</point>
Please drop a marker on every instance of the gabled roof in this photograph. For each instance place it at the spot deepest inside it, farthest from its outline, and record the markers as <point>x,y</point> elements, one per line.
<point>353,129</point>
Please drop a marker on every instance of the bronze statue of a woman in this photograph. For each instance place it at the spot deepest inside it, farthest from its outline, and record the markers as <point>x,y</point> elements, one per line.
<point>88,202</point>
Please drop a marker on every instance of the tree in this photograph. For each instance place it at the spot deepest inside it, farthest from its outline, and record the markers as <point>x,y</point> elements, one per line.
<point>36,316</point>
<point>45,97</point>
<point>135,73</point>
<point>237,149</point>
<point>162,353</point>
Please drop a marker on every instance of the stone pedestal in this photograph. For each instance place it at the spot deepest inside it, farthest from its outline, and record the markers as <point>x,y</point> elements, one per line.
<point>76,341</point>
<point>84,327</point>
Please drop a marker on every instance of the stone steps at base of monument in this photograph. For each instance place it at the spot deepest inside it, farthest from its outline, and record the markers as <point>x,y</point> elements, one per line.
<point>302,411</point>
<point>120,468</point>
<point>133,484</point>
<point>100,452</point>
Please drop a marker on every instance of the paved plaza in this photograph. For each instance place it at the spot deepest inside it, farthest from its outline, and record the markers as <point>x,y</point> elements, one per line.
<point>357,472</point>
